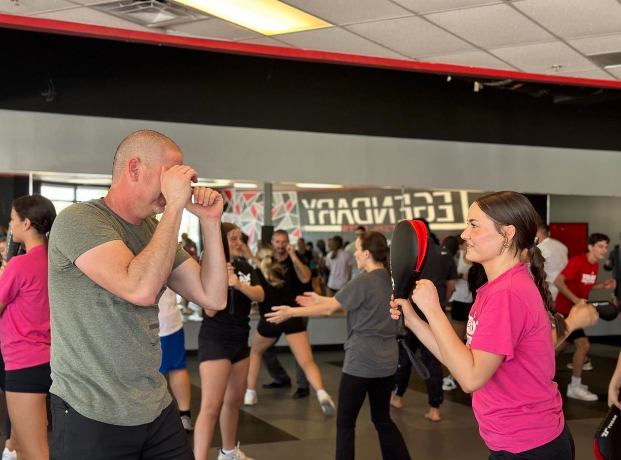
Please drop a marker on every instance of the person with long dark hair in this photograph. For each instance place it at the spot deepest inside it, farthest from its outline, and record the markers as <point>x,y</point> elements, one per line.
<point>508,359</point>
<point>25,327</point>
<point>224,356</point>
<point>371,351</point>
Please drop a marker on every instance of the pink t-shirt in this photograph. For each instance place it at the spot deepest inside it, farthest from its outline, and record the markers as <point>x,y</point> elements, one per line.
<point>519,408</point>
<point>25,321</point>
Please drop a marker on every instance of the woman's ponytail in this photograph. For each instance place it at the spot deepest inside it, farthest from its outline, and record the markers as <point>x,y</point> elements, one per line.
<point>539,276</point>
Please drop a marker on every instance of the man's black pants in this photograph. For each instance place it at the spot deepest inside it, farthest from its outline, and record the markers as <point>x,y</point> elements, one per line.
<point>76,437</point>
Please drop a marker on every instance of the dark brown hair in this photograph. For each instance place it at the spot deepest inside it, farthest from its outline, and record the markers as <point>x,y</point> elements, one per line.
<point>38,209</point>
<point>337,243</point>
<point>512,208</point>
<point>377,246</point>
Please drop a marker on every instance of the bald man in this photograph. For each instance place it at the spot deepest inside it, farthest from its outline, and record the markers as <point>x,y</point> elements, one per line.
<point>109,263</point>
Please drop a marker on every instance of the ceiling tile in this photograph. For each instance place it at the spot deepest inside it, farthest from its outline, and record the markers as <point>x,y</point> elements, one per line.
<point>597,45</point>
<point>341,12</point>
<point>412,36</point>
<point>337,40</point>
<point>214,28</point>
<point>428,6</point>
<point>85,15</point>
<point>575,18</point>
<point>541,57</point>
<point>471,59</point>
<point>88,2</point>
<point>596,74</point>
<point>616,72</point>
<point>491,26</point>
<point>25,7</point>
<point>269,41</point>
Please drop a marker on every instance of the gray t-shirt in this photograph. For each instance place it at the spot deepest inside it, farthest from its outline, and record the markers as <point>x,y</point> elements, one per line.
<point>371,346</point>
<point>106,352</point>
<point>339,269</point>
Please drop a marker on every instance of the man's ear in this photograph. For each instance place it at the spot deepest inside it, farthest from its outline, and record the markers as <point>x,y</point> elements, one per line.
<point>133,168</point>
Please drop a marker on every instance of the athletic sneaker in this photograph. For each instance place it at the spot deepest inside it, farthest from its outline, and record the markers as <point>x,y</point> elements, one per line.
<point>327,406</point>
<point>588,365</point>
<point>448,383</point>
<point>250,399</point>
<point>9,454</point>
<point>580,392</point>
<point>187,423</point>
<point>237,454</point>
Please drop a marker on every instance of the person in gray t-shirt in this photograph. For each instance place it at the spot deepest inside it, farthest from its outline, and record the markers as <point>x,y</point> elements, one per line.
<point>109,263</point>
<point>371,351</point>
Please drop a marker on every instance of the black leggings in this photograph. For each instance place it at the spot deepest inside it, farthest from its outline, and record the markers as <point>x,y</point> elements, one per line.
<point>434,382</point>
<point>352,392</point>
<point>561,448</point>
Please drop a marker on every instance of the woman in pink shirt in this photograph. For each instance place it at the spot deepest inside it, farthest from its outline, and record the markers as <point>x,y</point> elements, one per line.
<point>25,326</point>
<point>508,360</point>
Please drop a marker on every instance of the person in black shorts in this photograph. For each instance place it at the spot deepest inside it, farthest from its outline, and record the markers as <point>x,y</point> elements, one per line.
<point>280,290</point>
<point>25,327</point>
<point>223,353</point>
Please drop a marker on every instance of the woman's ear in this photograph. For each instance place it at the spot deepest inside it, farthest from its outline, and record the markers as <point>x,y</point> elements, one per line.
<point>27,223</point>
<point>509,233</point>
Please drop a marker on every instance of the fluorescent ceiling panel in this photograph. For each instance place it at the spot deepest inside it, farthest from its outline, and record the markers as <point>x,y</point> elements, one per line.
<point>269,17</point>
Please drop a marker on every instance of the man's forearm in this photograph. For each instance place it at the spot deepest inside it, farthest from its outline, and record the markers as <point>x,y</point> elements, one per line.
<point>152,266</point>
<point>562,286</point>
<point>214,277</point>
<point>302,271</point>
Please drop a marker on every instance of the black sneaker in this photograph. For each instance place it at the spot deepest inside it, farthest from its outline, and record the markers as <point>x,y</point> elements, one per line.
<point>301,393</point>
<point>286,384</point>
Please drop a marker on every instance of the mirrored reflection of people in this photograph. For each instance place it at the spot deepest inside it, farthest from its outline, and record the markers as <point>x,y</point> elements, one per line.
<point>575,283</point>
<point>508,361</point>
<point>371,351</point>
<point>223,353</point>
<point>25,327</point>
<point>110,261</point>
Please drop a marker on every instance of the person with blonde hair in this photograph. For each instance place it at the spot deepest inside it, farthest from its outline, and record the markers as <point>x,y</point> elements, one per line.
<point>278,274</point>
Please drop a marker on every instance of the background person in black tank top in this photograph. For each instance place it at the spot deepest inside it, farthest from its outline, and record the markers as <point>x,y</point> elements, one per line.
<point>223,352</point>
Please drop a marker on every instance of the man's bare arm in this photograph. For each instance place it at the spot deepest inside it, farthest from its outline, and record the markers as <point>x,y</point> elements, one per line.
<point>137,279</point>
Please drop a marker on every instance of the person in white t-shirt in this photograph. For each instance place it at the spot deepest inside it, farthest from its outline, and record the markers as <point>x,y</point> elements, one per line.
<point>351,249</point>
<point>173,355</point>
<point>339,263</point>
<point>555,254</point>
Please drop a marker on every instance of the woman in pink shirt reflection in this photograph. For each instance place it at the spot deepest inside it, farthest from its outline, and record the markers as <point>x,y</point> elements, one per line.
<point>508,361</point>
<point>25,326</point>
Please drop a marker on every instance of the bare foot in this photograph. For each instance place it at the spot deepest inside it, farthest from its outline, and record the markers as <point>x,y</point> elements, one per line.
<point>433,415</point>
<point>396,401</point>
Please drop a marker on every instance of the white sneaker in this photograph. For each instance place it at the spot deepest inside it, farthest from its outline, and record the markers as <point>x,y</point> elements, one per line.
<point>588,365</point>
<point>237,454</point>
<point>9,454</point>
<point>448,383</point>
<point>327,405</point>
<point>250,399</point>
<point>187,423</point>
<point>580,392</point>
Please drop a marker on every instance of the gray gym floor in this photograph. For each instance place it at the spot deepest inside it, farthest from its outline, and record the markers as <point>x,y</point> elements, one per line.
<point>455,437</point>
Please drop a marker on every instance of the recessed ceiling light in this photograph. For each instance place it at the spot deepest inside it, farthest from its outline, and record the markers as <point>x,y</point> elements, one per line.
<point>268,17</point>
<point>304,185</point>
<point>244,185</point>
